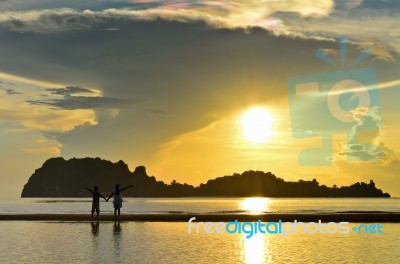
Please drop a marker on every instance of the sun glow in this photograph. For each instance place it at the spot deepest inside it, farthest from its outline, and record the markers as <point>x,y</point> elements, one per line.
<point>255,205</point>
<point>257,125</point>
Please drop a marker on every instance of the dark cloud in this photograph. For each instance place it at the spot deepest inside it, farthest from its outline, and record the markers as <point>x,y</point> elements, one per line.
<point>69,90</point>
<point>85,102</point>
<point>362,152</point>
<point>11,92</point>
<point>23,5</point>
<point>356,147</point>
<point>71,101</point>
<point>388,5</point>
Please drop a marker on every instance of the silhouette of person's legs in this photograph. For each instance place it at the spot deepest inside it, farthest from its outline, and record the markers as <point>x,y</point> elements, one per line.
<point>115,213</point>
<point>96,208</point>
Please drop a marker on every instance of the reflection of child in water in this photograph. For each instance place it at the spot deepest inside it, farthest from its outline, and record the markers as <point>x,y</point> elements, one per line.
<point>95,227</point>
<point>117,193</point>
<point>96,200</point>
<point>117,228</point>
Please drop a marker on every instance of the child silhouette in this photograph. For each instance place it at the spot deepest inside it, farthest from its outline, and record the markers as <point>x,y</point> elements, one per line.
<point>117,193</point>
<point>96,200</point>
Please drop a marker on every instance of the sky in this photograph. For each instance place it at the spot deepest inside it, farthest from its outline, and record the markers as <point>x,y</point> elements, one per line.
<point>166,84</point>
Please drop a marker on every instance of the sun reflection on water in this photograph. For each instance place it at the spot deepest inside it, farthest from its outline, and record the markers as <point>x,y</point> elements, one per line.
<point>255,205</point>
<point>254,249</point>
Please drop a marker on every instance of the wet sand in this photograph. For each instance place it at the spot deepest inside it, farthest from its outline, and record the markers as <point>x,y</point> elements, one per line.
<point>333,217</point>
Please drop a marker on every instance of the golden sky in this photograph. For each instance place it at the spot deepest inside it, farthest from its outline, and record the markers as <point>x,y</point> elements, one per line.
<point>184,88</point>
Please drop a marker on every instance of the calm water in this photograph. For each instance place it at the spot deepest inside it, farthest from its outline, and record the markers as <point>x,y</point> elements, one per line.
<point>135,242</point>
<point>202,205</point>
<point>156,242</point>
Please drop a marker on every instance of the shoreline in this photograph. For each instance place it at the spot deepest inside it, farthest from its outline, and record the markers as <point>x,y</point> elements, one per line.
<point>330,217</point>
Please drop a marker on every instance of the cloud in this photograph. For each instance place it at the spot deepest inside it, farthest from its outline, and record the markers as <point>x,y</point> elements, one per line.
<point>382,36</point>
<point>364,137</point>
<point>75,97</point>
<point>69,90</point>
<point>369,119</point>
<point>298,18</point>
<point>362,153</point>
<point>22,116</point>
<point>218,14</point>
<point>85,102</point>
<point>384,171</point>
<point>44,119</point>
<point>11,92</point>
<point>43,146</point>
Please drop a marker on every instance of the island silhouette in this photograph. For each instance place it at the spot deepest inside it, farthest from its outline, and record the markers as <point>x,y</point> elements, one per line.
<point>64,178</point>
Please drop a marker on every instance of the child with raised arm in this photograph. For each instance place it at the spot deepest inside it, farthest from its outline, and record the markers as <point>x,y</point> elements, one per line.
<point>96,200</point>
<point>117,193</point>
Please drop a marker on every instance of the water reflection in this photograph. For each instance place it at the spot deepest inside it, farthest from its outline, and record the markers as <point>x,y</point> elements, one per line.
<point>95,228</point>
<point>117,229</point>
<point>254,249</point>
<point>255,205</point>
<point>117,235</point>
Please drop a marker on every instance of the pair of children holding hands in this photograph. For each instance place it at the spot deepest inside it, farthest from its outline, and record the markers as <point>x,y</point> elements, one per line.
<point>117,194</point>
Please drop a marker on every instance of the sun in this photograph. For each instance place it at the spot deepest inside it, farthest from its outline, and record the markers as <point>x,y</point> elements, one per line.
<point>257,125</point>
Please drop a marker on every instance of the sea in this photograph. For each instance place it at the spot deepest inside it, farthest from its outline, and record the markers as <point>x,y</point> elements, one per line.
<point>170,242</point>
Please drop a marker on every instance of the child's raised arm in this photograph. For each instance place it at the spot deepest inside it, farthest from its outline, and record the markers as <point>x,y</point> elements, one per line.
<point>126,187</point>
<point>90,190</point>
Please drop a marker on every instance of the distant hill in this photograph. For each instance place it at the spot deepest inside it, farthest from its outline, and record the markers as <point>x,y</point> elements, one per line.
<point>66,178</point>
